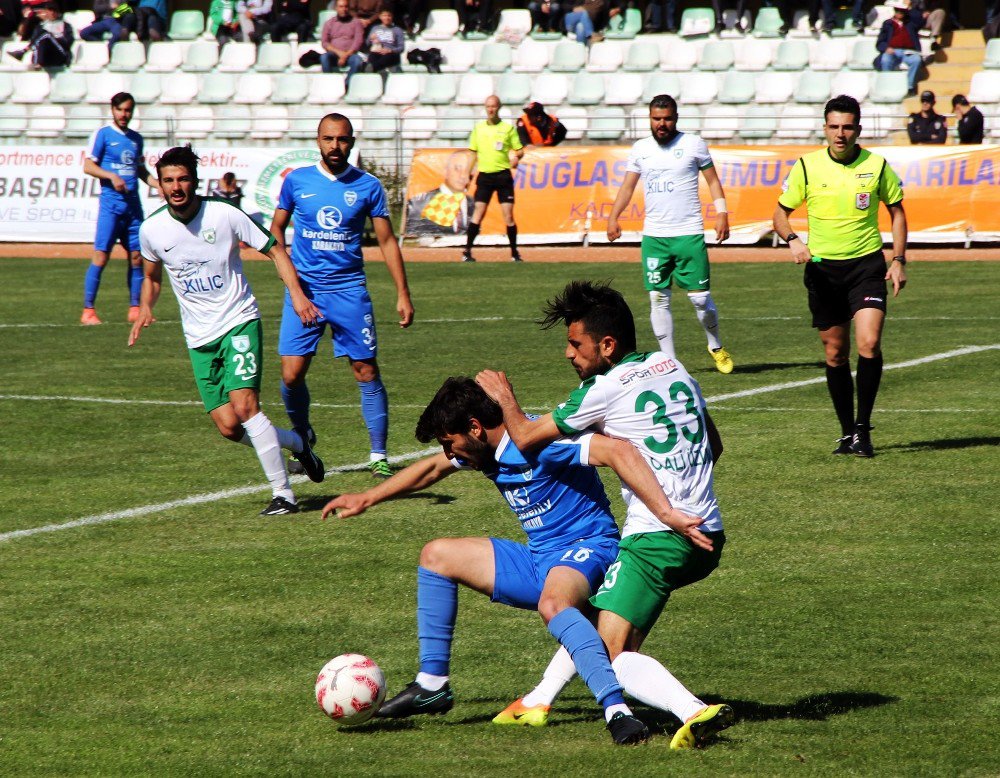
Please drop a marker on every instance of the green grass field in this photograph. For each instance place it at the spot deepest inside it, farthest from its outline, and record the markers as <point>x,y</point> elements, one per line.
<point>852,624</point>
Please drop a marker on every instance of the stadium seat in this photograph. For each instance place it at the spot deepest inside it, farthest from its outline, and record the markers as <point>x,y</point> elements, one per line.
<point>689,119</point>
<point>217,88</point>
<point>605,57</point>
<point>293,88</point>
<point>828,54</point>
<point>459,56</point>
<point>101,87</point>
<point>439,89</point>
<point>791,55</point>
<point>365,89</point>
<point>843,24</point>
<point>46,121</point>
<point>550,89</point>
<point>721,122</point>
<point>697,21</point>
<point>568,57</point>
<point>623,89</point>
<point>419,122</point>
<point>236,57</point>
<point>268,122</point>
<point>880,119</point>
<point>78,20</point>
<point>575,122</point>
<point>67,87</point>
<point>799,122</point>
<point>698,88</point>
<point>768,23</point>
<point>156,122</point>
<point>201,56</point>
<point>638,125</point>
<point>759,122</point>
<point>876,16</point>
<point>800,27</point>
<point>733,26</point>
<point>984,87</point>
<point>299,50</point>
<point>717,55</point>
<point>474,88</point>
<point>13,120</point>
<point>9,63</point>
<point>186,25</point>
<point>88,57</point>
<point>305,121</point>
<point>164,57</point>
<point>737,88</point>
<point>179,88</point>
<point>494,58</point>
<point>144,87</point>
<point>753,55</point>
<point>254,88</point>
<point>813,87</point>
<point>82,120</point>
<point>400,89</point>
<point>381,124</point>
<point>442,25</point>
<point>514,22</point>
<point>677,54</point>
<point>642,57</point>
<point>7,86</point>
<point>775,87</point>
<point>607,123</point>
<point>195,122</point>
<point>586,89</point>
<point>127,57</point>
<point>530,57</point>
<point>321,19</point>
<point>991,57</point>
<point>891,87</point>
<point>456,123</point>
<point>232,122</point>
<point>514,89</point>
<point>863,53</point>
<point>31,87</point>
<point>661,84</point>
<point>625,26</point>
<point>849,82</point>
<point>273,57</point>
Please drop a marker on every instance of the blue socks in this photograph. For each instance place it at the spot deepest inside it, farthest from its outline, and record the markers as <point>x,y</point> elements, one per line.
<point>437,608</point>
<point>296,400</point>
<point>375,410</point>
<point>580,638</point>
<point>91,283</point>
<point>133,277</point>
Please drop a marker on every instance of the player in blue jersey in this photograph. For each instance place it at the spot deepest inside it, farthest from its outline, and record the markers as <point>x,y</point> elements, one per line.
<point>572,538</point>
<point>329,204</point>
<point>115,156</point>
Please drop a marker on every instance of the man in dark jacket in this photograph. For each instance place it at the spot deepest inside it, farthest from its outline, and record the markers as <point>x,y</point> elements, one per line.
<point>927,126</point>
<point>52,40</point>
<point>970,120</point>
<point>899,42</point>
<point>291,16</point>
<point>537,128</point>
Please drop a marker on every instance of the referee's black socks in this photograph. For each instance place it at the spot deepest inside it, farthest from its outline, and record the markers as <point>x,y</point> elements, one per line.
<point>841,386</point>
<point>869,377</point>
<point>512,237</point>
<point>470,235</point>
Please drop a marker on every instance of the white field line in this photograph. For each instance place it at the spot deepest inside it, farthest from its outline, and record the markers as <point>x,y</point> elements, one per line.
<point>215,496</point>
<point>769,409</point>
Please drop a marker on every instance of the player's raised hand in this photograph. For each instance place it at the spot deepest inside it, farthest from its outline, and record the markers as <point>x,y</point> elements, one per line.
<point>495,384</point>
<point>404,307</point>
<point>347,504</point>
<point>686,525</point>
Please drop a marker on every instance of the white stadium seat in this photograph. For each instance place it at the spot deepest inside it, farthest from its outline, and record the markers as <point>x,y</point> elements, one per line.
<point>253,88</point>
<point>12,64</point>
<point>325,89</point>
<point>68,87</point>
<point>201,56</point>
<point>101,87</point>
<point>127,57</point>
<point>799,122</point>
<point>828,54</point>
<point>381,123</point>
<point>401,89</point>
<point>232,122</point>
<point>217,88</point>
<point>550,89</point>
<point>721,122</point>
<point>678,55</point>
<point>47,121</point>
<point>623,89</point>
<point>156,121</point>
<point>442,25</point>
<point>89,56</point>
<point>605,57</point>
<point>195,122</point>
<point>575,121</point>
<point>698,88</point>
<point>661,84</point>
<point>530,57</point>
<point>514,21</point>
<point>238,57</point>
<point>31,87</point>
<point>179,88</point>
<point>268,122</point>
<point>419,122</point>
<point>849,82</point>
<point>13,120</point>
<point>753,54</point>
<point>985,87</point>
<point>82,120</point>
<point>474,88</point>
<point>293,88</point>
<point>458,56</point>
<point>775,87</point>
<point>164,57</point>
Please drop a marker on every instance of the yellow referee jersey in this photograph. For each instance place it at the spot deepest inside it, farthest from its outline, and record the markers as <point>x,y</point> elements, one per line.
<point>842,200</point>
<point>491,142</point>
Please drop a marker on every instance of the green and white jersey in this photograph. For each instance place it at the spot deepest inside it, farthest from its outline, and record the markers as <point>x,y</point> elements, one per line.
<point>652,401</point>
<point>202,259</point>
<point>669,176</point>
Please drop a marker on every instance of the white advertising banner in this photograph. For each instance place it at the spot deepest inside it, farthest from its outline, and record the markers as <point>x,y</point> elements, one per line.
<point>46,197</point>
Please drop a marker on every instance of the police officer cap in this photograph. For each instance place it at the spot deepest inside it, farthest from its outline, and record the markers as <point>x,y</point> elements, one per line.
<point>927,96</point>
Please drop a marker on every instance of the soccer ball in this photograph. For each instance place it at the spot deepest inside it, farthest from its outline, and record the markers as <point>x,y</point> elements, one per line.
<point>349,689</point>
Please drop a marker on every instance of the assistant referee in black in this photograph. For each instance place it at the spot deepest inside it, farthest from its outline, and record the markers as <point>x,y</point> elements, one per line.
<point>845,272</point>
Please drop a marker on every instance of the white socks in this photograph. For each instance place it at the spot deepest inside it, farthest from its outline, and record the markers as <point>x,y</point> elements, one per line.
<point>650,682</point>
<point>265,440</point>
<point>431,683</point>
<point>559,673</point>
<point>286,439</point>
<point>662,321</point>
<point>708,315</point>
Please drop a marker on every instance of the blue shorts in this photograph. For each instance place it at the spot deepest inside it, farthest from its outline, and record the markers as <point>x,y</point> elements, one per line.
<point>118,222</point>
<point>350,316</point>
<point>520,575</point>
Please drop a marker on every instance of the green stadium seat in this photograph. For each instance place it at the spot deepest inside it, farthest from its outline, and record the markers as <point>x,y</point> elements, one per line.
<point>268,122</point>
<point>760,122</point>
<point>568,57</point>
<point>737,88</point>
<point>768,23</point>
<point>538,34</point>
<point>625,26</point>
<point>232,122</point>
<point>661,84</point>
<point>273,57</point>
<point>439,89</point>
<point>792,55</point>
<point>13,120</point>
<point>68,87</point>
<point>82,120</point>
<point>889,87</point>
<point>305,120</point>
<point>863,54</point>
<point>365,89</point>
<point>145,87</point>
<point>456,123</point>
<point>991,58</point>
<point>642,57</point>
<point>201,57</point>
<point>717,55</point>
<point>607,123</point>
<point>813,87</point>
<point>697,21</point>
<point>217,88</point>
<point>324,16</point>
<point>381,123</point>
<point>31,87</point>
<point>157,121</point>
<point>6,86</point>
<point>292,88</point>
<point>127,57</point>
<point>514,89</point>
<point>586,89</point>
<point>494,58</point>
<point>186,25</point>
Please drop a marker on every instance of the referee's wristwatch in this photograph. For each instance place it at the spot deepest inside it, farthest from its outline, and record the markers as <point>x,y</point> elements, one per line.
<point>900,259</point>
<point>790,237</point>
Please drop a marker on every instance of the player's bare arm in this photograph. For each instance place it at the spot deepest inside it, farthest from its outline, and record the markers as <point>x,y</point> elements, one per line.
<point>897,272</point>
<point>279,223</point>
<point>800,251</point>
<point>629,465</point>
<point>152,284</point>
<point>144,175</point>
<point>304,308</point>
<point>91,168</point>
<point>419,475</point>
<point>622,200</point>
<point>394,262</point>
<point>527,434</point>
<point>718,197</point>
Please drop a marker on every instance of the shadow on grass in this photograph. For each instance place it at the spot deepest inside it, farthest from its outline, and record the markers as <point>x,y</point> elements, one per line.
<point>316,502</point>
<point>943,444</point>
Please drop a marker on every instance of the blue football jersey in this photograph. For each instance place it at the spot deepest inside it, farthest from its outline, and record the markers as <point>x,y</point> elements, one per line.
<point>555,494</point>
<point>118,152</point>
<point>329,214</point>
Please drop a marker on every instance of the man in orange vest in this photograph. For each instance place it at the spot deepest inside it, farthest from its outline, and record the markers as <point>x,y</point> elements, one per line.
<point>537,128</point>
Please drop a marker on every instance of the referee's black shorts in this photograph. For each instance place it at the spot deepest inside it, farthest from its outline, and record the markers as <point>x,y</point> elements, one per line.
<point>839,288</point>
<point>501,182</point>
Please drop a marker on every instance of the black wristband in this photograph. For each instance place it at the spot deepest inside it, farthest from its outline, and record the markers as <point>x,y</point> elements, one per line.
<point>901,260</point>
<point>790,237</point>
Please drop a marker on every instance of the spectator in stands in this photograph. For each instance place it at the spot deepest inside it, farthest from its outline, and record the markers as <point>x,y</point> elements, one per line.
<point>738,5</point>
<point>547,16</point>
<point>661,16</point>
<point>579,24</point>
<point>52,40</point>
<point>601,12</point>
<point>151,20</point>
<point>970,120</point>
<point>222,21</point>
<point>254,17</point>
<point>474,15</point>
<point>342,38</point>
<point>927,126</point>
<point>828,14</point>
<point>116,17</point>
<point>365,11</point>
<point>899,42</point>
<point>10,17</point>
<point>537,128</point>
<point>228,189</point>
<point>292,16</point>
<point>411,16</point>
<point>935,17</point>
<point>385,45</point>
<point>29,18</point>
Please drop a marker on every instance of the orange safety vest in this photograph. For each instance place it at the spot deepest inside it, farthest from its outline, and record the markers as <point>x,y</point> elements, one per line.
<point>535,134</point>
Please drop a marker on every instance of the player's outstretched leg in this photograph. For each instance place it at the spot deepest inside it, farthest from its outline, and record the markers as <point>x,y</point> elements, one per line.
<point>699,729</point>
<point>264,438</point>
<point>533,708</point>
<point>708,317</point>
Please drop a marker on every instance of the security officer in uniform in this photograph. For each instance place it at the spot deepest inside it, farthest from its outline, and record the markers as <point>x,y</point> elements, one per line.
<point>845,273</point>
<point>927,126</point>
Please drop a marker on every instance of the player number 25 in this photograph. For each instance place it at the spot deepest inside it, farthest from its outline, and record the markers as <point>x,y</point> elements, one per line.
<point>661,417</point>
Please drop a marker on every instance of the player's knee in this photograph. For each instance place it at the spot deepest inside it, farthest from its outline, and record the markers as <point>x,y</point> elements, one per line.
<point>435,555</point>
<point>869,347</point>
<point>292,375</point>
<point>702,301</point>
<point>365,371</point>
<point>550,606</point>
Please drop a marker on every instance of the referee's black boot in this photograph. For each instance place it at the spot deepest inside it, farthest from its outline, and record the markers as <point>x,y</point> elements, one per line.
<point>861,443</point>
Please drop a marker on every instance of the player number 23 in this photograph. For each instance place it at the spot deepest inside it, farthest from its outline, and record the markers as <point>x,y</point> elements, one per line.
<point>246,364</point>
<point>661,417</point>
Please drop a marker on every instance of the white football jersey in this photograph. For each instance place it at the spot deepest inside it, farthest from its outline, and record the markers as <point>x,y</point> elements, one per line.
<point>202,260</point>
<point>669,176</point>
<point>652,401</point>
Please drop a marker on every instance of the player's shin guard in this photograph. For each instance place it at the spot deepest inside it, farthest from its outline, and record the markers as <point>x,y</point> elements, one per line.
<point>869,378</point>
<point>708,316</point>
<point>133,279</point>
<point>437,609</point>
<point>580,638</point>
<point>264,438</point>
<point>662,320</point>
<point>650,682</point>
<point>841,388</point>
<point>91,283</point>
<point>296,400</point>
<point>375,410</point>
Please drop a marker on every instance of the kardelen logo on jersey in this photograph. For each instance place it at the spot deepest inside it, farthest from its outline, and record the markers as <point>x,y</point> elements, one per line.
<point>329,217</point>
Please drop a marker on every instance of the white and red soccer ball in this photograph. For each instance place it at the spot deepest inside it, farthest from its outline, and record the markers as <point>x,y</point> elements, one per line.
<point>349,689</point>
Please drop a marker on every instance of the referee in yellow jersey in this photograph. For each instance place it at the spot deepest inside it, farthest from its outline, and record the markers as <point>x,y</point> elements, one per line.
<point>846,273</point>
<point>498,150</point>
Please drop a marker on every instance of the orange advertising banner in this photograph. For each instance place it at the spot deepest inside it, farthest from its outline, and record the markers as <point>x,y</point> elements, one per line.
<point>565,193</point>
